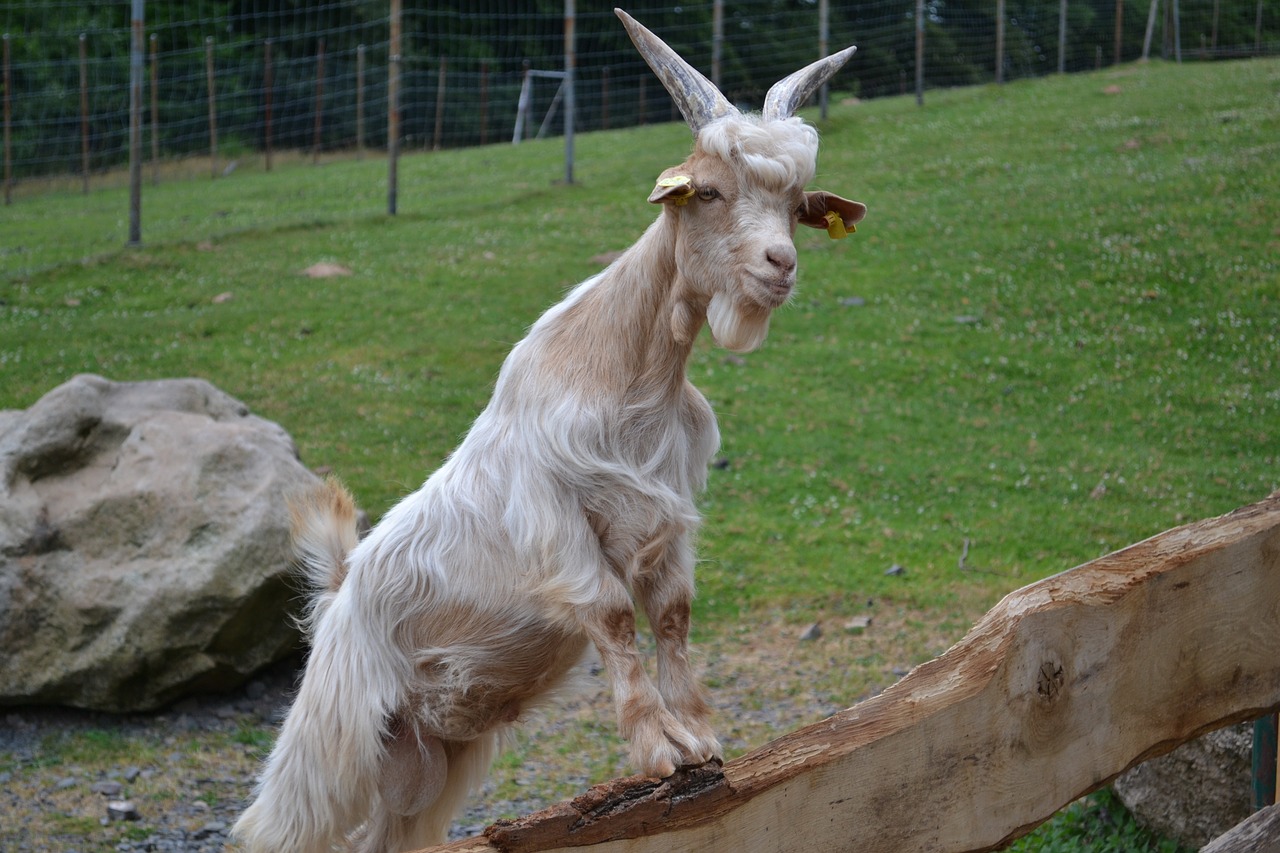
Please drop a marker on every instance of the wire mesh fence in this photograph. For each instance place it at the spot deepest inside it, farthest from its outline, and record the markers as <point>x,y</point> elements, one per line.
<point>232,81</point>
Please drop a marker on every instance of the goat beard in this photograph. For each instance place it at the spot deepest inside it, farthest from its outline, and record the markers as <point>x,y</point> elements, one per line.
<point>737,327</point>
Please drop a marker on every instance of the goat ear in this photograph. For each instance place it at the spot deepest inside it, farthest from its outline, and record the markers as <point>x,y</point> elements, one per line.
<point>672,187</point>
<point>837,216</point>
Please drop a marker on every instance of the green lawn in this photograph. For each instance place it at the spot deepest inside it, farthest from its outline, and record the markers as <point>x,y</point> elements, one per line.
<point>1056,332</point>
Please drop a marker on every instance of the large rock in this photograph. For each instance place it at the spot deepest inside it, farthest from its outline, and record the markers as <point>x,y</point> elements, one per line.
<point>144,546</point>
<point>1197,792</point>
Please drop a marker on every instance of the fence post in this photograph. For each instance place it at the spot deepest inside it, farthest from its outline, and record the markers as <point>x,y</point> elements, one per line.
<point>213,108</point>
<point>359,102</point>
<point>393,108</point>
<point>717,40</point>
<point>484,102</point>
<point>440,90</point>
<point>999,41</point>
<point>824,38</point>
<point>1119,29</point>
<point>920,53</point>
<point>84,112</point>
<point>135,123</point>
<point>1257,30</point>
<point>8,123</point>
<point>268,85</point>
<point>570,61</point>
<point>1062,37</point>
<point>319,108</point>
<point>155,112</point>
<point>1177,30</point>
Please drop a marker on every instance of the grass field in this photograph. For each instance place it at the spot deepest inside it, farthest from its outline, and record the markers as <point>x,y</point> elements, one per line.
<point>1056,333</point>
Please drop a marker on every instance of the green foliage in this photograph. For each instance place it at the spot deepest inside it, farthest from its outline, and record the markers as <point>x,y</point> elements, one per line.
<point>1097,824</point>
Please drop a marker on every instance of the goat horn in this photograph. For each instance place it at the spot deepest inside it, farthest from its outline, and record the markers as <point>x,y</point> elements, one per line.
<point>786,96</point>
<point>700,102</point>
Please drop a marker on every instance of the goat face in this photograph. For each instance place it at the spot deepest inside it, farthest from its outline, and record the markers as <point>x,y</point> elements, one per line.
<point>739,197</point>
<point>737,201</point>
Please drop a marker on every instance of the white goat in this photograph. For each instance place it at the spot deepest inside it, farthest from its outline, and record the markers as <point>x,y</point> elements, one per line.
<point>475,596</point>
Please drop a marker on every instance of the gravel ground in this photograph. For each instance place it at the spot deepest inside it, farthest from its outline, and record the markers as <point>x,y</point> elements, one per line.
<point>176,780</point>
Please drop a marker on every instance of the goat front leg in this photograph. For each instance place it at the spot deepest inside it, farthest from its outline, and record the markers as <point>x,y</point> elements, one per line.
<point>665,591</point>
<point>659,742</point>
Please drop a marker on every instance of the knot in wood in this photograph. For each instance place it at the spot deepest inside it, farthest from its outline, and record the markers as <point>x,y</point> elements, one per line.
<point>1049,680</point>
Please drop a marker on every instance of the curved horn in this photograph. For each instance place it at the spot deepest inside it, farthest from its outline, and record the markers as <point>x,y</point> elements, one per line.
<point>786,96</point>
<point>700,102</point>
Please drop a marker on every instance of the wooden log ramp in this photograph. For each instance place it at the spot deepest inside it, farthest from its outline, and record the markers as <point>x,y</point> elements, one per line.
<point>1061,687</point>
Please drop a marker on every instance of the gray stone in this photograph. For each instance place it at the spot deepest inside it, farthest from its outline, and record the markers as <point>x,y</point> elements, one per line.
<point>123,810</point>
<point>1197,792</point>
<point>107,788</point>
<point>144,548</point>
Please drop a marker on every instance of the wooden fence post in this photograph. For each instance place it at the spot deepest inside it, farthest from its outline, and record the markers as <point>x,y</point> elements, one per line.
<point>84,112</point>
<point>570,85</point>
<point>360,102</point>
<point>824,39</point>
<point>1119,30</point>
<point>268,85</point>
<point>438,134</point>
<point>213,107</point>
<point>717,40</point>
<point>919,53</point>
<point>393,108</point>
<point>136,32</point>
<point>8,123</point>
<point>999,41</point>
<point>155,111</point>
<point>319,107</point>
<point>484,102</point>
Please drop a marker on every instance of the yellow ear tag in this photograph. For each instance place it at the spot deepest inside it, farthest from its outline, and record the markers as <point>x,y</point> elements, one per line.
<point>679,181</point>
<point>836,229</point>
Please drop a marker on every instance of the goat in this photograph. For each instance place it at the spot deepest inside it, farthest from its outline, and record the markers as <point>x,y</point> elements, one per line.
<point>473,599</point>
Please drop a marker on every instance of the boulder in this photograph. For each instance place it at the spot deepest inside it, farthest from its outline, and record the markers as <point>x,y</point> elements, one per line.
<point>1197,792</point>
<point>144,544</point>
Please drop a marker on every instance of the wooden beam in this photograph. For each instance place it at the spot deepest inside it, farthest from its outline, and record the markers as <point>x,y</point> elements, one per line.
<point>1061,687</point>
<point>1259,834</point>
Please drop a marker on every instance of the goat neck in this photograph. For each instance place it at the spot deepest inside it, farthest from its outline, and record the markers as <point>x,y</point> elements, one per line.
<point>613,335</point>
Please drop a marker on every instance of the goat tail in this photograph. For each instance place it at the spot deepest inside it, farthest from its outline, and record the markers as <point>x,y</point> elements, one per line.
<point>321,779</point>
<point>325,526</point>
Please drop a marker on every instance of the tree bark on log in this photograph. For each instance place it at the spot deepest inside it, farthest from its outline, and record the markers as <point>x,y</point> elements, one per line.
<point>1062,686</point>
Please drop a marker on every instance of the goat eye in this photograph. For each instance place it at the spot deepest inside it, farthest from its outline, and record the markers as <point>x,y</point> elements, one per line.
<point>707,193</point>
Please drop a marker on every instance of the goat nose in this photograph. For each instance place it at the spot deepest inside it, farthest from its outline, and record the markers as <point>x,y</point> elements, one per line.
<point>782,256</point>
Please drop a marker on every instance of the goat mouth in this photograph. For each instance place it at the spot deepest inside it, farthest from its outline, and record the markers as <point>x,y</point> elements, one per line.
<point>772,292</point>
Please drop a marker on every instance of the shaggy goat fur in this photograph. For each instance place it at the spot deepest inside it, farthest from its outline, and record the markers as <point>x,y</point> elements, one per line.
<point>474,598</point>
